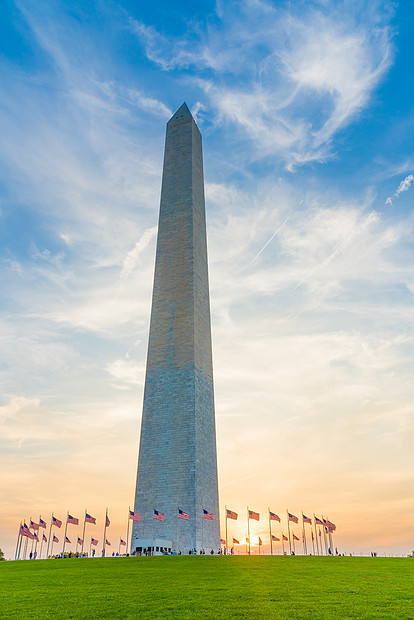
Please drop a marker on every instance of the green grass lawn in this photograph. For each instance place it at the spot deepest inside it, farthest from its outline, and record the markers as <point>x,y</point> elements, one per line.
<point>208,587</point>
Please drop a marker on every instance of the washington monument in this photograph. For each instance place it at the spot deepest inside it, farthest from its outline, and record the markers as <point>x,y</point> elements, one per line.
<point>177,465</point>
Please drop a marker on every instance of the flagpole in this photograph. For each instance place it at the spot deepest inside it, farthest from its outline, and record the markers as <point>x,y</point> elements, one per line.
<point>27,540</point>
<point>119,547</point>
<point>41,546</point>
<point>248,527</point>
<point>48,540</point>
<point>90,547</point>
<point>129,519</point>
<point>330,537</point>
<point>51,548</point>
<point>313,542</point>
<point>38,532</point>
<point>83,534</point>
<point>64,538</point>
<point>202,530</point>
<point>290,544</point>
<point>316,533</point>
<point>305,549</point>
<point>31,545</point>
<point>20,546</point>
<point>324,536</point>
<point>227,550</point>
<point>104,541</point>
<point>283,544</point>
<point>18,540</point>
<point>178,530</point>
<point>270,533</point>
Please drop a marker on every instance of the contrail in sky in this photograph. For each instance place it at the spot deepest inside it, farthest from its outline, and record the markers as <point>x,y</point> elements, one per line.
<point>274,235</point>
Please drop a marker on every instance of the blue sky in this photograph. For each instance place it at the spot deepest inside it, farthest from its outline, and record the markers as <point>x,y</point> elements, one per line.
<point>306,111</point>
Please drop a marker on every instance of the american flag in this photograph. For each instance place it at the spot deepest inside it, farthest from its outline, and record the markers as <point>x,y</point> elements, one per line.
<point>55,538</point>
<point>275,538</point>
<point>222,541</point>
<point>73,520</point>
<point>292,518</point>
<point>42,523</point>
<point>207,515</point>
<point>24,530</point>
<point>80,541</point>
<point>274,517</point>
<point>33,525</point>
<point>284,537</point>
<point>107,543</point>
<point>90,519</point>
<point>30,535</point>
<point>134,516</point>
<point>306,519</point>
<point>231,515</point>
<point>318,521</point>
<point>330,526</point>
<point>254,515</point>
<point>56,522</point>
<point>44,538</point>
<point>236,542</point>
<point>260,542</point>
<point>107,522</point>
<point>122,542</point>
<point>158,515</point>
<point>35,537</point>
<point>94,542</point>
<point>295,537</point>
<point>67,540</point>
<point>183,515</point>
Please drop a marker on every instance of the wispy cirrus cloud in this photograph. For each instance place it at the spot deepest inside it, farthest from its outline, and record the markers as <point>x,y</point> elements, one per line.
<point>305,73</point>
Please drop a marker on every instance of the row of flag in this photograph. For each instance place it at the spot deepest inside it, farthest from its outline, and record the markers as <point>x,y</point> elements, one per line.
<point>328,529</point>
<point>251,514</point>
<point>32,531</point>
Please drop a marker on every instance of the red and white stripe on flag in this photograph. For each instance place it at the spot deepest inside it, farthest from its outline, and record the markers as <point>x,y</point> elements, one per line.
<point>73,520</point>
<point>134,516</point>
<point>183,515</point>
<point>254,515</point>
<point>207,515</point>
<point>90,519</point>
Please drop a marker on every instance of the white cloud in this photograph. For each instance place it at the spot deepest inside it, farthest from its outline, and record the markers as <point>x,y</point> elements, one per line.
<point>405,184</point>
<point>305,73</point>
<point>131,259</point>
<point>126,372</point>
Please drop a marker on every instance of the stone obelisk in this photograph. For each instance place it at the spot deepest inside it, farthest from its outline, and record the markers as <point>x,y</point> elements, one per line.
<point>177,465</point>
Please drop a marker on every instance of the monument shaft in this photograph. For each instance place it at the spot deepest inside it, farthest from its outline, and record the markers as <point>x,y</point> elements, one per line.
<point>177,466</point>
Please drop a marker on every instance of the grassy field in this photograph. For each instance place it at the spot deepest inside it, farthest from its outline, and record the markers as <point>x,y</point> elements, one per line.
<point>208,587</point>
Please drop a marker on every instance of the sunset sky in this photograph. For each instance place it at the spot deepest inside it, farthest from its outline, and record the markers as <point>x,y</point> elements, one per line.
<point>306,111</point>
